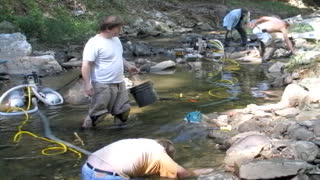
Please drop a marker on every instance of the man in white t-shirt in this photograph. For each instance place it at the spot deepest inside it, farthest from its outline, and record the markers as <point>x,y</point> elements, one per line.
<point>131,158</point>
<point>102,71</point>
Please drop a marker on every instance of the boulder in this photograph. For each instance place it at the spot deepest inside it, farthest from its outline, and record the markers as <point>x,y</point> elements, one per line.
<point>276,67</point>
<point>273,168</point>
<point>246,149</point>
<point>299,132</point>
<point>75,94</point>
<point>163,66</point>
<point>13,46</point>
<point>304,150</point>
<point>42,65</point>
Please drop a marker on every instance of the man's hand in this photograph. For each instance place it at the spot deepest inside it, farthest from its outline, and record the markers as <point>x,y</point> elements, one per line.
<point>88,89</point>
<point>251,24</point>
<point>133,69</point>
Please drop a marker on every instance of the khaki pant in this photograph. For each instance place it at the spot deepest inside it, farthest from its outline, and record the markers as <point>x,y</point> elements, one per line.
<point>108,98</point>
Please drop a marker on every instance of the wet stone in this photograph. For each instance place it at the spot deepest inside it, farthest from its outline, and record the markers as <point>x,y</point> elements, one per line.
<point>273,168</point>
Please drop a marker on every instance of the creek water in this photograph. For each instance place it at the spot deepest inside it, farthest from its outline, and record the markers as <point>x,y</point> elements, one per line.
<point>180,91</point>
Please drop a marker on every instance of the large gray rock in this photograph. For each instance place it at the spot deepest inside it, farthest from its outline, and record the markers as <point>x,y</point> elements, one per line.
<point>42,65</point>
<point>163,66</point>
<point>75,94</point>
<point>316,127</point>
<point>305,150</point>
<point>276,67</point>
<point>221,137</point>
<point>246,149</point>
<point>241,136</point>
<point>299,132</point>
<point>239,119</point>
<point>273,168</point>
<point>13,46</point>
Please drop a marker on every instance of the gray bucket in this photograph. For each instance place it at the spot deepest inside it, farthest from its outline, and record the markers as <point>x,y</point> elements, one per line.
<point>144,94</point>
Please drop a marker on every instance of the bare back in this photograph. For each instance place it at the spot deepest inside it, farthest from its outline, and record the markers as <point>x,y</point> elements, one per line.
<point>272,24</point>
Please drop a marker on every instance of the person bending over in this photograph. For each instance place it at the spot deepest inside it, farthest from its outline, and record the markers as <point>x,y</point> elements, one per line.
<point>131,158</point>
<point>265,25</point>
<point>234,20</point>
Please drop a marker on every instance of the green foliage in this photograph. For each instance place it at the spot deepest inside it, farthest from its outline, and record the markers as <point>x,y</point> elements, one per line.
<point>30,23</point>
<point>301,28</point>
<point>51,21</point>
<point>300,60</point>
<point>271,6</point>
<point>294,63</point>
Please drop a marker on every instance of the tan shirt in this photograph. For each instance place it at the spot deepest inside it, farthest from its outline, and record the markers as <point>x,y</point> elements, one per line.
<point>134,157</point>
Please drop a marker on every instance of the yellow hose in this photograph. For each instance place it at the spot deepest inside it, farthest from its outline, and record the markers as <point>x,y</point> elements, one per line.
<point>232,65</point>
<point>219,93</point>
<point>17,137</point>
<point>226,81</point>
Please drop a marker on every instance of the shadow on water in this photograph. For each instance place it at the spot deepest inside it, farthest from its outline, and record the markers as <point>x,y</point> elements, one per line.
<point>180,92</point>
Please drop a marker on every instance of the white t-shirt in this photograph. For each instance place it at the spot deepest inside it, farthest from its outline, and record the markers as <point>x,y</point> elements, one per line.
<point>107,57</point>
<point>134,157</point>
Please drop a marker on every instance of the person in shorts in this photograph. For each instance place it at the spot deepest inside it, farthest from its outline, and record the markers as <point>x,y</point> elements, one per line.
<point>103,73</point>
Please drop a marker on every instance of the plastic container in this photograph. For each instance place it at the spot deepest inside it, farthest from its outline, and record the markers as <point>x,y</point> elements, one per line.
<point>144,94</point>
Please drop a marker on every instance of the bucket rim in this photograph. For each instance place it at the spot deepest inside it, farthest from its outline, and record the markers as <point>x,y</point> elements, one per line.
<point>146,82</point>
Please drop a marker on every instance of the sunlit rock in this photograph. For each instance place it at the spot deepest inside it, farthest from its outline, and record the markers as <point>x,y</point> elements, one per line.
<point>13,46</point>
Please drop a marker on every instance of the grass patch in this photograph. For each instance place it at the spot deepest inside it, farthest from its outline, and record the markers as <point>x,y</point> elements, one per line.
<point>275,7</point>
<point>302,60</point>
<point>300,28</point>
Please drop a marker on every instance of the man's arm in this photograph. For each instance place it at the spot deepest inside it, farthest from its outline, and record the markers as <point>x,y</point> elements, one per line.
<point>259,21</point>
<point>287,40</point>
<point>131,68</point>
<point>86,71</point>
<point>170,169</point>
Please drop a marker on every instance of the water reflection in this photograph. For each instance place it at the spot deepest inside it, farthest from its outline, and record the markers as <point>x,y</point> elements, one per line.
<point>257,91</point>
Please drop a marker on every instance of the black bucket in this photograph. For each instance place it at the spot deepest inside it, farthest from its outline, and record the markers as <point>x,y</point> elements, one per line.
<point>144,94</point>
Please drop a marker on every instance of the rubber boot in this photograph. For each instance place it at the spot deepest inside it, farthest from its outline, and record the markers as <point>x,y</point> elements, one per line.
<point>121,119</point>
<point>90,121</point>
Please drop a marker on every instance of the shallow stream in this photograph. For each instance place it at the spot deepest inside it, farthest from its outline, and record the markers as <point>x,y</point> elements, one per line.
<point>180,91</point>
